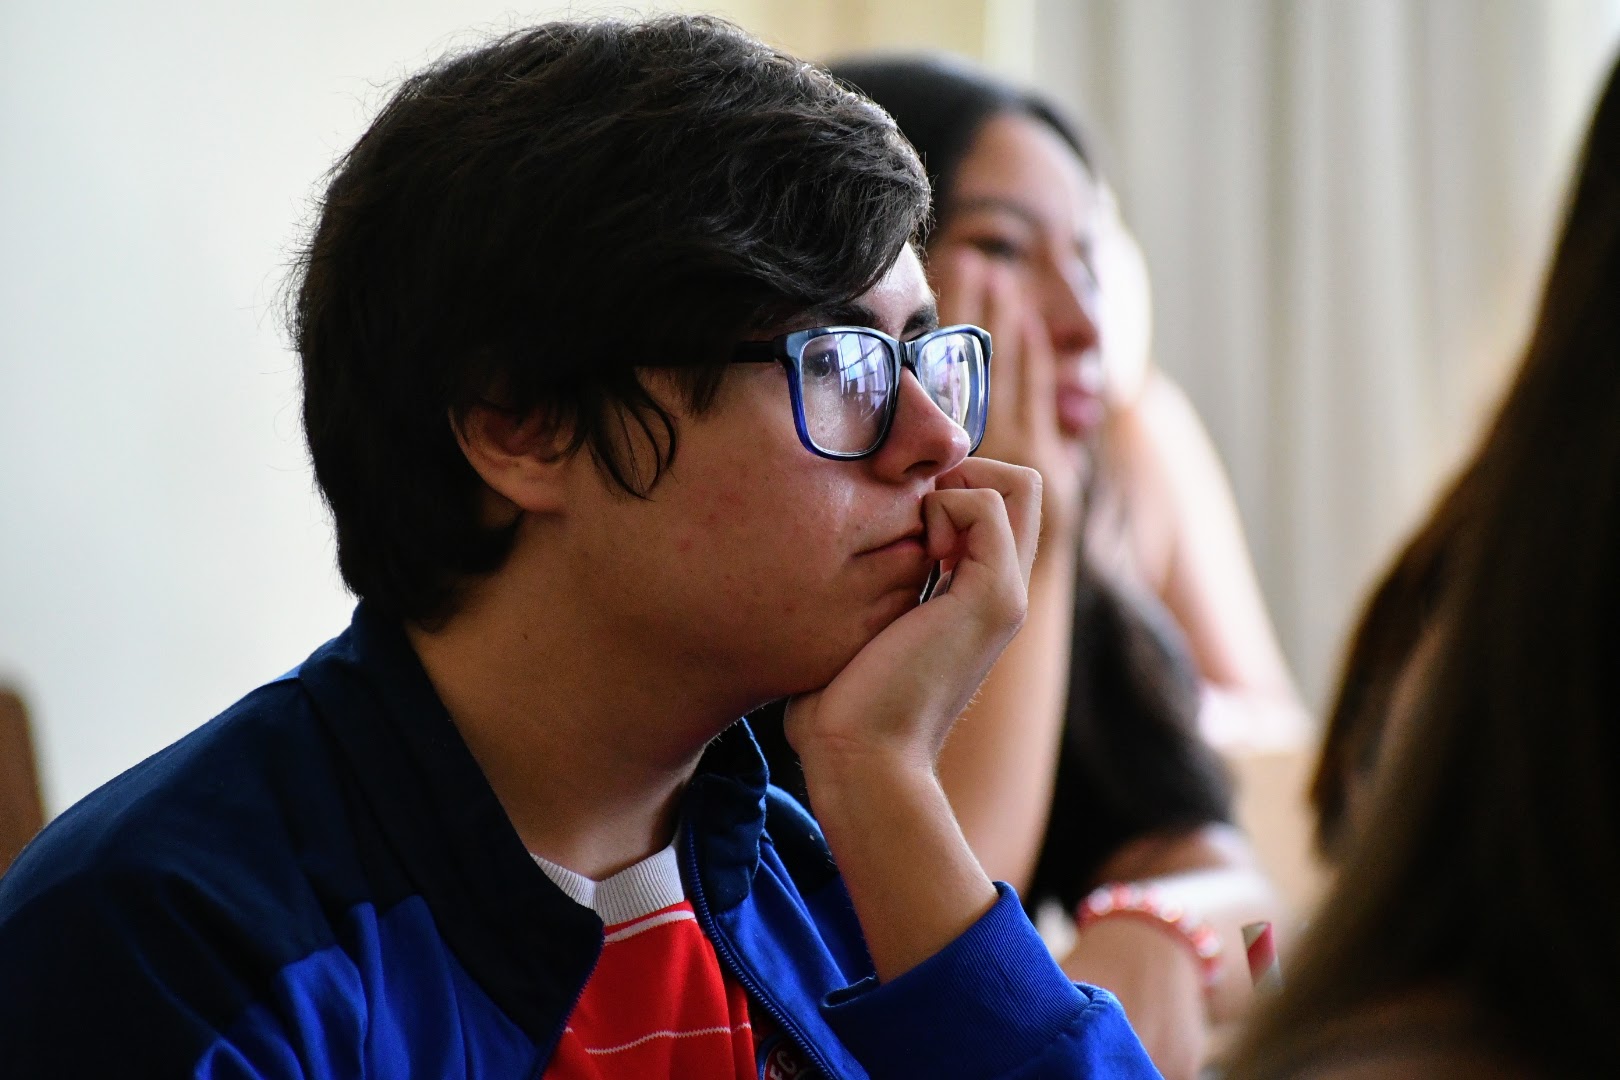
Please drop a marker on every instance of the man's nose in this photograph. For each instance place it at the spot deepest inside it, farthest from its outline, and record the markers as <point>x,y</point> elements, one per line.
<point>922,441</point>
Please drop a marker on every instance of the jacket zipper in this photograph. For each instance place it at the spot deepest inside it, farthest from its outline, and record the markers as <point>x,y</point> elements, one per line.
<point>562,1028</point>
<point>723,947</point>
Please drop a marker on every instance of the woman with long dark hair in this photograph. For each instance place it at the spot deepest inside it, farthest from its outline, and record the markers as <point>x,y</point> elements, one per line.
<point>1079,774</point>
<point>1471,932</point>
<point>1399,612</point>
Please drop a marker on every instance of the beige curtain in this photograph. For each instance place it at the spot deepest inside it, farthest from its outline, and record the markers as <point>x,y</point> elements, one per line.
<point>1345,206</point>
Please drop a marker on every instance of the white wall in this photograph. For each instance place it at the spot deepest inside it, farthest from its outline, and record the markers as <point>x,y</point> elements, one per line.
<point>161,547</point>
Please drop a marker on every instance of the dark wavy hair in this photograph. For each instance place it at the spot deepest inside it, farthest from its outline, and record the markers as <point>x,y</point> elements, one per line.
<point>529,223</point>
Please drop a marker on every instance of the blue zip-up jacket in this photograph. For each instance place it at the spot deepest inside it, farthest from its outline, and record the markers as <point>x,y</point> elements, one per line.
<point>320,883</point>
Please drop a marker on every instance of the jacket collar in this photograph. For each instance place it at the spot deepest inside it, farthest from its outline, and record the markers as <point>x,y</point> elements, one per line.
<point>724,807</point>
<point>523,940</point>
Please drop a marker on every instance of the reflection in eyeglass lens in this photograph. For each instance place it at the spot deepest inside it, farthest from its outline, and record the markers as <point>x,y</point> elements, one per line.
<point>946,371</point>
<point>846,390</point>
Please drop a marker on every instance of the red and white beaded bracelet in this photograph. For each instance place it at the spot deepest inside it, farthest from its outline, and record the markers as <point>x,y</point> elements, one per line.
<point>1109,901</point>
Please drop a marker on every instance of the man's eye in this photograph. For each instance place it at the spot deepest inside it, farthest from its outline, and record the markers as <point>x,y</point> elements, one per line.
<point>819,362</point>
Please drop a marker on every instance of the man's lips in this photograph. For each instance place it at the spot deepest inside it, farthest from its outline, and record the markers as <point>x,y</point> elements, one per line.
<point>911,542</point>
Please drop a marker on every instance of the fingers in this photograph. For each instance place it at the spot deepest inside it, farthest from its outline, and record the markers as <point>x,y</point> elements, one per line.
<point>970,289</point>
<point>971,525</point>
<point>973,289</point>
<point>1009,493</point>
<point>1037,406</point>
<point>1003,309</point>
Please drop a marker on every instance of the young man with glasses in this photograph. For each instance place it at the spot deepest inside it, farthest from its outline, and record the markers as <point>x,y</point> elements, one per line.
<point>625,388</point>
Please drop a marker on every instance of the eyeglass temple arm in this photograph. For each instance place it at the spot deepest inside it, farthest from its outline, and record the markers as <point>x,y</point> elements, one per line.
<point>756,352</point>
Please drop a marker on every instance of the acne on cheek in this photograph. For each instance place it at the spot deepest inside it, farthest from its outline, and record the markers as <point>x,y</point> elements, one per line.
<point>719,511</point>
<point>726,506</point>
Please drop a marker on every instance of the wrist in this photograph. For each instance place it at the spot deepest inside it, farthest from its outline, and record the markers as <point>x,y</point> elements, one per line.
<point>1145,904</point>
<point>847,779</point>
<point>914,882</point>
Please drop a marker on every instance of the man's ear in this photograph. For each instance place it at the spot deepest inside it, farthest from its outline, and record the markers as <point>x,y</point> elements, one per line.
<point>522,458</point>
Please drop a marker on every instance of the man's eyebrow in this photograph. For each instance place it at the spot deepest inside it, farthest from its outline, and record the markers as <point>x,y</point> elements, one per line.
<point>855,313</point>
<point>922,320</point>
<point>846,313</point>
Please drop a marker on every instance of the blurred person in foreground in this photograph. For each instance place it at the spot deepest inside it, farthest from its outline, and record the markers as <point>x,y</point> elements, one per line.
<point>1082,773</point>
<point>1394,622</point>
<point>1469,934</point>
<point>628,395</point>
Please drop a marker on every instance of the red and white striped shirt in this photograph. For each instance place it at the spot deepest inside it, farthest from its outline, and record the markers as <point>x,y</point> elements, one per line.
<point>658,1003</point>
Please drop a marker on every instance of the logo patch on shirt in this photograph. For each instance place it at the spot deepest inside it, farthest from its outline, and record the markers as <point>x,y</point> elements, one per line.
<point>780,1059</point>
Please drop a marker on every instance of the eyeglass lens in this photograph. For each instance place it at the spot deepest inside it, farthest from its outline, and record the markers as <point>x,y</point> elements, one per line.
<point>948,367</point>
<point>847,385</point>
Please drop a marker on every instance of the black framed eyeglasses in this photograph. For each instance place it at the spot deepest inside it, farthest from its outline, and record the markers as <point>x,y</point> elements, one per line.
<point>845,381</point>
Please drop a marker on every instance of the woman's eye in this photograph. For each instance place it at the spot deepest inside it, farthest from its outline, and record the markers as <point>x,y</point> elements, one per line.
<point>997,247</point>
